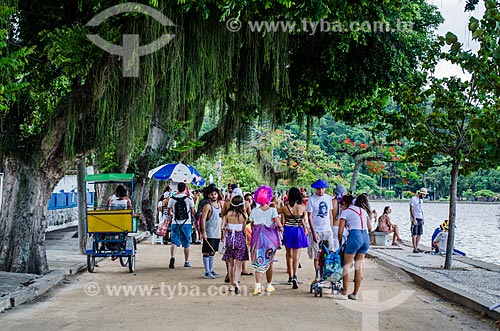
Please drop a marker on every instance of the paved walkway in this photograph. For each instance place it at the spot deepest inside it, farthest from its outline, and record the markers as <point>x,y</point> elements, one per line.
<point>63,259</point>
<point>471,283</point>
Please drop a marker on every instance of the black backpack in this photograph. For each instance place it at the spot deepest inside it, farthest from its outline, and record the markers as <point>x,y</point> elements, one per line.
<point>201,205</point>
<point>180,208</point>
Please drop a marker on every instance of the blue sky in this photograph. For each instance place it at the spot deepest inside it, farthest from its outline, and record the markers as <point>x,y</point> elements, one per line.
<point>456,21</point>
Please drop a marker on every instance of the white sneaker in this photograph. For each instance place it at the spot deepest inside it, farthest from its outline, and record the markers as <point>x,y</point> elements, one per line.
<point>353,296</point>
<point>270,288</point>
<point>339,296</point>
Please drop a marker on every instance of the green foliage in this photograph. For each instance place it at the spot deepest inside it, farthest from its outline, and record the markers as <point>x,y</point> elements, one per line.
<point>107,159</point>
<point>283,155</point>
<point>454,118</point>
<point>237,167</point>
<point>468,193</point>
<point>485,193</point>
<point>69,49</point>
<point>390,194</point>
<point>12,75</point>
<point>407,194</point>
<point>366,184</point>
<point>487,179</point>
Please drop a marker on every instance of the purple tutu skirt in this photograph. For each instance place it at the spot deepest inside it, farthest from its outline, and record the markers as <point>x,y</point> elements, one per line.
<point>294,237</point>
<point>236,246</point>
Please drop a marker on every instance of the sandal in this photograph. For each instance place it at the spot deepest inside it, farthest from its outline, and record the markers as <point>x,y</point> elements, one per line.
<point>247,274</point>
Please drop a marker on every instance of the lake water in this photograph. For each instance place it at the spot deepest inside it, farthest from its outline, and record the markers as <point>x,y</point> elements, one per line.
<point>477,233</point>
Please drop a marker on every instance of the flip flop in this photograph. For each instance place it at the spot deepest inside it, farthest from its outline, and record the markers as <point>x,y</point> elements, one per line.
<point>247,274</point>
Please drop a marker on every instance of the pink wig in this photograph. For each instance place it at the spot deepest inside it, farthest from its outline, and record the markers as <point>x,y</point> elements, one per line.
<point>263,195</point>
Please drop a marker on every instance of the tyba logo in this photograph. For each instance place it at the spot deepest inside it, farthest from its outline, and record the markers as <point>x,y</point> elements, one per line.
<point>130,51</point>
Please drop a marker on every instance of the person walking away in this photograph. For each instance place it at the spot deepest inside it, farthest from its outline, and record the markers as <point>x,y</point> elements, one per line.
<point>417,218</point>
<point>319,210</point>
<point>357,220</point>
<point>236,191</point>
<point>210,227</point>
<point>339,192</point>
<point>234,236</point>
<point>181,210</point>
<point>265,238</point>
<point>294,215</point>
<point>163,216</point>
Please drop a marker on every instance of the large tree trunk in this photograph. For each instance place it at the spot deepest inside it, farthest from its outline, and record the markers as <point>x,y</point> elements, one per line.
<point>452,214</point>
<point>355,174</point>
<point>29,182</point>
<point>142,199</point>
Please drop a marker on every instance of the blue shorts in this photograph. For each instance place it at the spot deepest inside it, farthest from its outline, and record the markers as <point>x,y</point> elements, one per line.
<point>417,229</point>
<point>181,233</point>
<point>358,241</point>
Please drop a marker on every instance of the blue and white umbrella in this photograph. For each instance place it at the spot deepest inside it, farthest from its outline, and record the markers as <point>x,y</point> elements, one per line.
<point>177,172</point>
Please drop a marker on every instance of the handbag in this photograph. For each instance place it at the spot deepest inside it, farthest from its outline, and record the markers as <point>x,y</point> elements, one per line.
<point>162,229</point>
<point>222,247</point>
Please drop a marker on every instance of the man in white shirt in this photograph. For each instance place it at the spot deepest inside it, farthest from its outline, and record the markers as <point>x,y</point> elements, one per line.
<point>181,211</point>
<point>441,241</point>
<point>417,218</point>
<point>319,211</point>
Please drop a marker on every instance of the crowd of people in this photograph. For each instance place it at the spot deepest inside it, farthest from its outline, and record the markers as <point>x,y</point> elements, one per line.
<point>249,228</point>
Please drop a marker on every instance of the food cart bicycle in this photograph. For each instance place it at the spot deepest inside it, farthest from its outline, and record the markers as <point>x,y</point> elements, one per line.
<point>108,229</point>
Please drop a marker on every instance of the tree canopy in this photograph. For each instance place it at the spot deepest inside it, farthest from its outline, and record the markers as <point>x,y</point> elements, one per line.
<point>71,97</point>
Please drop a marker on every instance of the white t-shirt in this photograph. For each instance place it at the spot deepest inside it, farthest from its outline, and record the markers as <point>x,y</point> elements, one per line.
<point>258,216</point>
<point>117,203</point>
<point>321,208</point>
<point>416,203</point>
<point>356,218</point>
<point>442,240</point>
<point>160,211</point>
<point>189,204</point>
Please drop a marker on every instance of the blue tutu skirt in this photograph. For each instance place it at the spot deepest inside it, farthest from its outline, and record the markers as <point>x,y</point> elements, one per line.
<point>294,237</point>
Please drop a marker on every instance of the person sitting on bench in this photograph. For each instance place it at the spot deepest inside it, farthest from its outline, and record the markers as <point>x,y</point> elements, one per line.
<point>385,225</point>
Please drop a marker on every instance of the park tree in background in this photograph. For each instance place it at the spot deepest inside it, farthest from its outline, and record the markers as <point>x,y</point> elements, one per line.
<point>456,119</point>
<point>373,151</point>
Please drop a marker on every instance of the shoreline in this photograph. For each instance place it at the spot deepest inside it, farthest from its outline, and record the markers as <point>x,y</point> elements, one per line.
<point>459,202</point>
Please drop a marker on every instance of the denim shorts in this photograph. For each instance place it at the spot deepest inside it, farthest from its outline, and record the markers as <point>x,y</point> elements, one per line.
<point>417,229</point>
<point>181,233</point>
<point>358,241</point>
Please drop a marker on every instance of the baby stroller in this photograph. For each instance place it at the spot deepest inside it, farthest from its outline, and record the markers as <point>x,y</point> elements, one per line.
<point>329,273</point>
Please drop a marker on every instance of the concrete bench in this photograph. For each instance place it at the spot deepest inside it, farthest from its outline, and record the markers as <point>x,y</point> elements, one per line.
<point>378,238</point>
<point>156,239</point>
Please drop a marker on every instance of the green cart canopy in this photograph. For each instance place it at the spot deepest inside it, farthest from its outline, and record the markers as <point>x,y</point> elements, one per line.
<point>110,178</point>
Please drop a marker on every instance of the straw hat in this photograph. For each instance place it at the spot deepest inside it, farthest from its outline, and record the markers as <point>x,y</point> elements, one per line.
<point>423,191</point>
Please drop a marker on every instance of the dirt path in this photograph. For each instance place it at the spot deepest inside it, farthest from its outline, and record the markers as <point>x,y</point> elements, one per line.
<point>179,299</point>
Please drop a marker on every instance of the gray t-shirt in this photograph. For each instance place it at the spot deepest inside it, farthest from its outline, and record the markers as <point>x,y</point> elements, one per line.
<point>213,223</point>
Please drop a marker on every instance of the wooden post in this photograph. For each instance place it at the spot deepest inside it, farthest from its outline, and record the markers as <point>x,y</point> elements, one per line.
<point>82,204</point>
